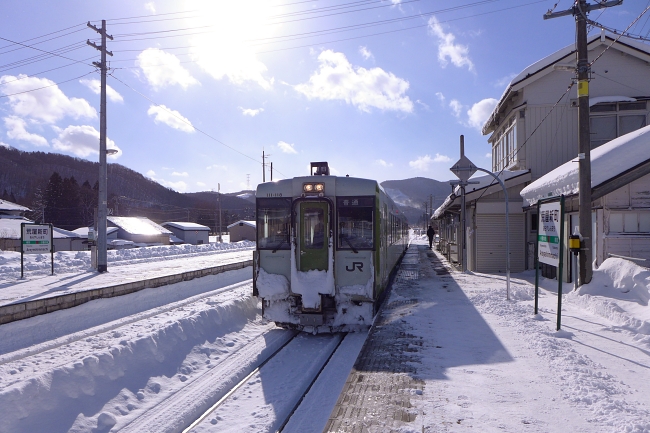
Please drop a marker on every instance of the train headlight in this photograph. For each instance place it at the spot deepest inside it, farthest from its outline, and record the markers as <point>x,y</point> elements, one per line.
<point>308,187</point>
<point>320,187</point>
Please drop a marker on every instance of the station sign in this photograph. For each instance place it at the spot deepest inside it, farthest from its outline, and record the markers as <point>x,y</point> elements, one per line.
<point>548,233</point>
<point>36,238</point>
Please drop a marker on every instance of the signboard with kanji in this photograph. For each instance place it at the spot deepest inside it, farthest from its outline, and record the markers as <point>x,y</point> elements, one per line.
<point>36,238</point>
<point>548,235</point>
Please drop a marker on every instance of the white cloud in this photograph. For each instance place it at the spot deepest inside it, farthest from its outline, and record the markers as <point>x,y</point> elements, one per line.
<point>440,97</point>
<point>179,186</point>
<point>95,86</point>
<point>4,145</point>
<point>223,51</point>
<point>480,112</point>
<point>163,69</point>
<point>364,88</point>
<point>151,7</point>
<point>504,81</point>
<point>489,155</point>
<point>286,147</point>
<point>151,173</point>
<point>251,111</point>
<point>183,174</point>
<point>365,52</point>
<point>169,117</point>
<point>383,163</point>
<point>82,141</point>
<point>441,158</point>
<point>423,104</point>
<point>48,104</point>
<point>456,107</point>
<point>16,129</point>
<point>448,50</point>
<point>201,184</point>
<point>421,163</point>
<point>216,167</point>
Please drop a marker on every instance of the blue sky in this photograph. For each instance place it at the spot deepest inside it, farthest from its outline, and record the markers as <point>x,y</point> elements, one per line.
<point>381,89</point>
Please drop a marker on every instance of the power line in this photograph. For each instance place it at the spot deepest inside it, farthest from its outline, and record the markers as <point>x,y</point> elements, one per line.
<point>189,123</point>
<point>43,51</point>
<point>45,87</point>
<point>42,36</point>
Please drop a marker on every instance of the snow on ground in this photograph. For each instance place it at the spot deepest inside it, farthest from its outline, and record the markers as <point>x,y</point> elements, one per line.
<point>74,261</point>
<point>98,366</point>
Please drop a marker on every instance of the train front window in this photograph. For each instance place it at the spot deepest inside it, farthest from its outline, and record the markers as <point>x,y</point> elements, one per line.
<point>355,223</point>
<point>273,220</point>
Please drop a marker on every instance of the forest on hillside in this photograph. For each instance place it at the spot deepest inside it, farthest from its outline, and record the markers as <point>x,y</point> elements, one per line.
<point>62,190</point>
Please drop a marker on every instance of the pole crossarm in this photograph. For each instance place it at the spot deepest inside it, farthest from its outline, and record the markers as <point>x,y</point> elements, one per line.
<point>575,10</point>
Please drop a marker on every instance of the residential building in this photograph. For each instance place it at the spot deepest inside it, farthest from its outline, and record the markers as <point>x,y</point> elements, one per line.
<point>242,231</point>
<point>190,233</point>
<point>140,230</point>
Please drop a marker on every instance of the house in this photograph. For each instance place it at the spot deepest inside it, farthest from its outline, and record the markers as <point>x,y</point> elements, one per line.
<point>8,208</point>
<point>620,188</point>
<point>140,230</point>
<point>534,126</point>
<point>190,233</point>
<point>10,235</point>
<point>242,231</point>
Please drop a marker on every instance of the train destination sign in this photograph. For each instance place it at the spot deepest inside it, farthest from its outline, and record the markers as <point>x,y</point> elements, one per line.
<point>548,233</point>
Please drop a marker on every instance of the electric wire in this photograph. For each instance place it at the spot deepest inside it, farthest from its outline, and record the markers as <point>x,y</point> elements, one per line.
<point>45,87</point>
<point>42,36</point>
<point>619,36</point>
<point>41,42</point>
<point>43,51</point>
<point>190,124</point>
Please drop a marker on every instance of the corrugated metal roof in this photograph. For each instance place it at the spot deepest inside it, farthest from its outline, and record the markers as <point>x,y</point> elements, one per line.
<point>9,206</point>
<point>247,223</point>
<point>186,225</point>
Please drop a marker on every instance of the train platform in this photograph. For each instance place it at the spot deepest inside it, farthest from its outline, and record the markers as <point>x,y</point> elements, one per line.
<point>37,294</point>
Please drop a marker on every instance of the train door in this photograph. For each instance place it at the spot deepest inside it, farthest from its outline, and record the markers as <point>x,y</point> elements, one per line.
<point>313,232</point>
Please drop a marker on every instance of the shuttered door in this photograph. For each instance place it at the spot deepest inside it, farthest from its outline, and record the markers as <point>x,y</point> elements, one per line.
<point>491,243</point>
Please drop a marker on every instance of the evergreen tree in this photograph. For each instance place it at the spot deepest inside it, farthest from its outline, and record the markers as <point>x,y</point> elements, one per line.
<point>53,195</point>
<point>87,204</point>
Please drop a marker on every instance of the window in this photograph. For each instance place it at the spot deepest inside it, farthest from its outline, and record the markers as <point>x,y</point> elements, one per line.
<point>629,222</point>
<point>355,223</point>
<point>273,220</point>
<point>617,119</point>
<point>504,145</point>
<point>314,228</point>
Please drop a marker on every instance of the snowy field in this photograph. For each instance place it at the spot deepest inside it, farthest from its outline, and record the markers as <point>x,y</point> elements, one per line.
<point>104,365</point>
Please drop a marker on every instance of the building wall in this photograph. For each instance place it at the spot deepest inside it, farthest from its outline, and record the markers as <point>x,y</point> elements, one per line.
<point>194,237</point>
<point>241,233</point>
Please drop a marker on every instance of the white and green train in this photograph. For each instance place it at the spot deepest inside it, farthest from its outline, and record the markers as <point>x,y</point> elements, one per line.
<point>326,249</point>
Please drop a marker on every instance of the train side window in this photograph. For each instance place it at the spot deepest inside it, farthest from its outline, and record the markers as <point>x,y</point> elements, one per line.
<point>273,220</point>
<point>355,228</point>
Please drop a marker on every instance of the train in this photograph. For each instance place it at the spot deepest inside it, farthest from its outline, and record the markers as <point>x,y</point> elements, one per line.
<point>327,247</point>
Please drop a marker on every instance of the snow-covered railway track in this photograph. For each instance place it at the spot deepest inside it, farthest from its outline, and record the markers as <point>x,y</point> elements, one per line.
<point>113,325</point>
<point>266,399</point>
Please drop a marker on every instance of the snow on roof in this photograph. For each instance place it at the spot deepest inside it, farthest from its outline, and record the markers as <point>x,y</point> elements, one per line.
<point>483,182</point>
<point>607,161</point>
<point>83,231</point>
<point>601,99</point>
<point>248,223</point>
<point>10,229</point>
<point>518,82</point>
<point>9,206</point>
<point>186,225</point>
<point>139,225</point>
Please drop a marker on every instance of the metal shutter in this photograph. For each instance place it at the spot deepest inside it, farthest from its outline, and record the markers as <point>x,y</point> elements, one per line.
<point>491,243</point>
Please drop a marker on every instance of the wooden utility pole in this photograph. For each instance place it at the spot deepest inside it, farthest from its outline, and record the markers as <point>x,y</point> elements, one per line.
<point>101,208</point>
<point>580,10</point>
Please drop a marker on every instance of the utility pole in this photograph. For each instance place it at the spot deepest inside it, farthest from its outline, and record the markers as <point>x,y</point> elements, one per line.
<point>219,192</point>
<point>264,156</point>
<point>580,10</point>
<point>101,208</point>
<point>271,171</point>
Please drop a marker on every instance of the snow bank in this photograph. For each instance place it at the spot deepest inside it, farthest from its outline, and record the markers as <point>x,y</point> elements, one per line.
<point>312,284</point>
<point>272,287</point>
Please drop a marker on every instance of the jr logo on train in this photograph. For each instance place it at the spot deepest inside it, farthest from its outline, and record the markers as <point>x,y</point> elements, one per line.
<point>326,247</point>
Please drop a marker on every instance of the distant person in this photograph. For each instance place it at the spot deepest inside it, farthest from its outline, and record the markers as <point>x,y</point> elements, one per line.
<point>430,234</point>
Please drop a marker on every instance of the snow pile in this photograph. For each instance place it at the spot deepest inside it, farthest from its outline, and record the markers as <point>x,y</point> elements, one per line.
<point>312,284</point>
<point>79,261</point>
<point>273,287</point>
<point>118,374</point>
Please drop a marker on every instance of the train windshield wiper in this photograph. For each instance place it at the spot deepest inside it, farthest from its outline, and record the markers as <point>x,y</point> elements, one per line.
<point>277,247</point>
<point>345,238</point>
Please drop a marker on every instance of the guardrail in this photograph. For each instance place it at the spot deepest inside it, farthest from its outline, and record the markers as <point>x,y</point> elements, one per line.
<point>23,310</point>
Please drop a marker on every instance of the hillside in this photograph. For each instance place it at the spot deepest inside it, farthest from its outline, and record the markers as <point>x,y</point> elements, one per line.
<point>412,194</point>
<point>25,176</point>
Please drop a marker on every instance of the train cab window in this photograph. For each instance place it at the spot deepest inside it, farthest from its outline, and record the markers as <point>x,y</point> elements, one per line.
<point>273,220</point>
<point>314,228</point>
<point>355,223</point>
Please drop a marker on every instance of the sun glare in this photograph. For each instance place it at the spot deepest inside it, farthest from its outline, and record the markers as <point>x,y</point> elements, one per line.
<point>226,50</point>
